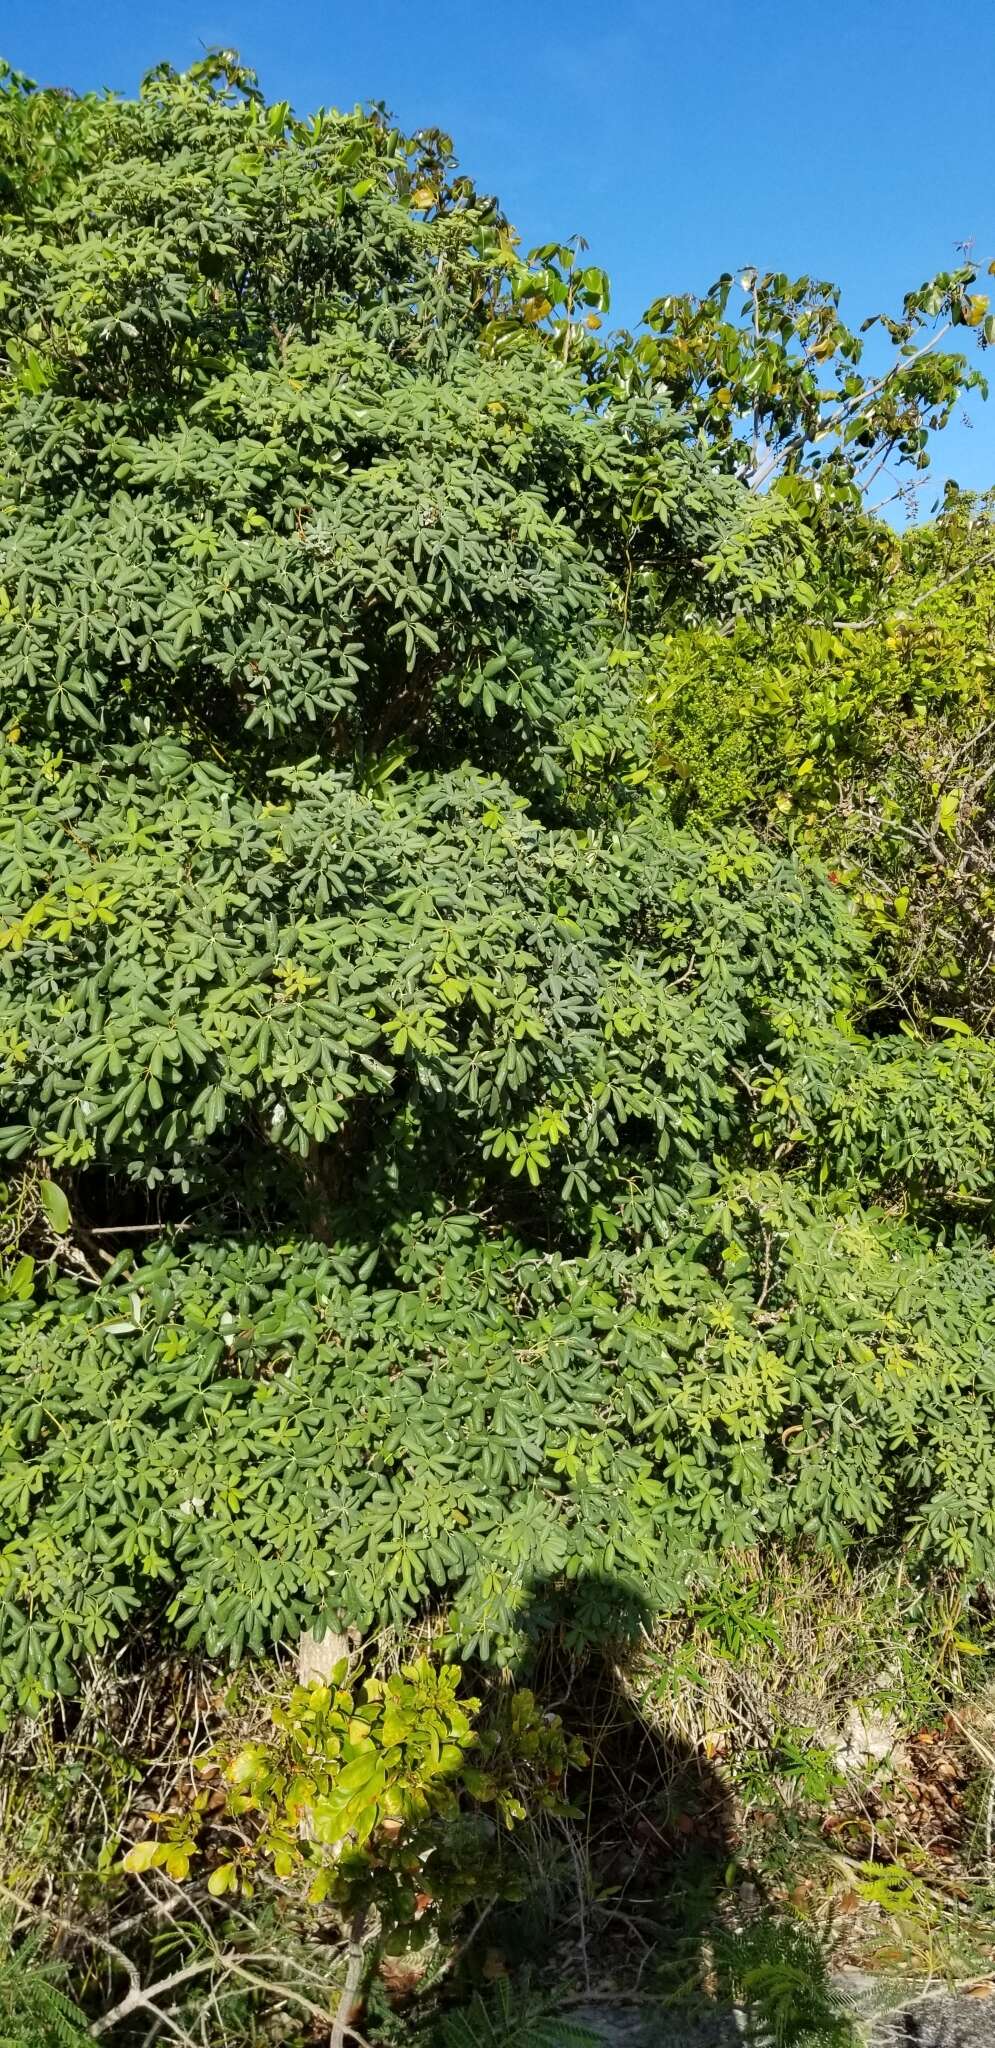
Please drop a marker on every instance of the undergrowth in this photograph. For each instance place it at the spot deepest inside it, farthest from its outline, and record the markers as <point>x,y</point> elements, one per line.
<point>788,1777</point>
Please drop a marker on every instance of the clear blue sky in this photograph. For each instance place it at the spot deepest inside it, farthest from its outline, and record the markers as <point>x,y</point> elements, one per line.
<point>680,139</point>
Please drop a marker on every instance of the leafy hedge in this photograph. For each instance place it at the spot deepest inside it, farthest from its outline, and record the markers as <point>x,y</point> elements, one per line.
<point>248,1435</point>
<point>540,1174</point>
<point>432,965</point>
<point>866,736</point>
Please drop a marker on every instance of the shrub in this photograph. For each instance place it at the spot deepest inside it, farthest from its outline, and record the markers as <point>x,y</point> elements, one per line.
<point>381,1796</point>
<point>246,1436</point>
<point>348,952</point>
<point>866,734</point>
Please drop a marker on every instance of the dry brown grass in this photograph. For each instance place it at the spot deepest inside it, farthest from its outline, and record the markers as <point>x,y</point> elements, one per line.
<point>802,1646</point>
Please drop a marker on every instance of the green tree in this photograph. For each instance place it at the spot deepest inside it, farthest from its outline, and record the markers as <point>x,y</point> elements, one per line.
<point>532,1187</point>
<point>777,389</point>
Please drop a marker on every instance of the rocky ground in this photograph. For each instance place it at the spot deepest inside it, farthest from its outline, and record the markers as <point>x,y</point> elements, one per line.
<point>931,2021</point>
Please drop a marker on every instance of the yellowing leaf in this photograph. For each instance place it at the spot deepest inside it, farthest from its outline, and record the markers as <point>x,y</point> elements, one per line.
<point>142,1857</point>
<point>397,1725</point>
<point>245,1766</point>
<point>535,309</point>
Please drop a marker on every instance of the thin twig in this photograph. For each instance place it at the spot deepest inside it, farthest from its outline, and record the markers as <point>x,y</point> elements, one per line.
<point>143,1997</point>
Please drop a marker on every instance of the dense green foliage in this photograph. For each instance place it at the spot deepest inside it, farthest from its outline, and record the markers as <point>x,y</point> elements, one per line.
<point>263,1431</point>
<point>434,969</point>
<point>869,737</point>
<point>496,1084</point>
<point>418,753</point>
<point>266,486</point>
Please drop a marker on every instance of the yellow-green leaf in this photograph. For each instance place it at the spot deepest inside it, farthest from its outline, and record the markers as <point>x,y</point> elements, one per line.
<point>141,1857</point>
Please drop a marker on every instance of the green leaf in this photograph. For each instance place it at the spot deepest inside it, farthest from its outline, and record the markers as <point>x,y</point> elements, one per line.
<point>56,1207</point>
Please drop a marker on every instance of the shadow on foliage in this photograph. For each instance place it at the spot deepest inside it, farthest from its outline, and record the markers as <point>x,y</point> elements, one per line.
<point>640,1906</point>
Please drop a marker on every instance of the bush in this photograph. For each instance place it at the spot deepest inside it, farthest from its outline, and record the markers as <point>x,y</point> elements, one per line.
<point>347,951</point>
<point>867,737</point>
<point>247,1436</point>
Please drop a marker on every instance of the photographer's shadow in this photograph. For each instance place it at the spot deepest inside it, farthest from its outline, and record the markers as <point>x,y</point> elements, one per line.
<point>638,1886</point>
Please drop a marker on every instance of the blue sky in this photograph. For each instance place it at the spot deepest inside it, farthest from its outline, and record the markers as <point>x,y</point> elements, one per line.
<point>680,139</point>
